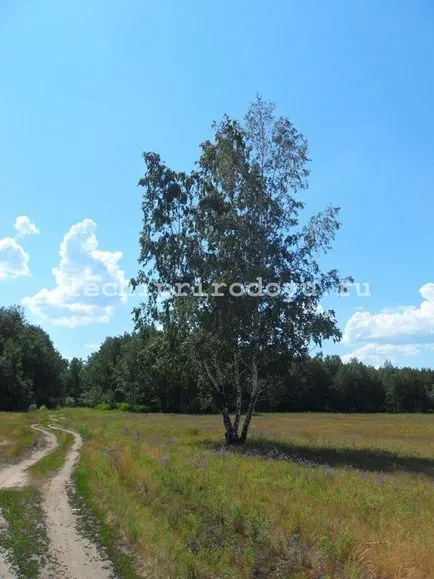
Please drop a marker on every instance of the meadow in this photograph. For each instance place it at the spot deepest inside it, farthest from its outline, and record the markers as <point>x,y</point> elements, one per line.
<point>311,495</point>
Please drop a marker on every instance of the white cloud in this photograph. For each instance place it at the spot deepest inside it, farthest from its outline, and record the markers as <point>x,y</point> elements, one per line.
<point>406,324</point>
<point>89,282</point>
<point>376,354</point>
<point>14,261</point>
<point>25,227</point>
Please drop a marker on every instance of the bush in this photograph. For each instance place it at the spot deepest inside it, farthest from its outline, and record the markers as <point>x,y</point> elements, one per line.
<point>103,406</point>
<point>70,402</point>
<point>32,407</point>
<point>123,406</point>
<point>43,407</point>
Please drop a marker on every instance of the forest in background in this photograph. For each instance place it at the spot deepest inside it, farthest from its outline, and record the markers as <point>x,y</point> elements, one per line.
<point>146,371</point>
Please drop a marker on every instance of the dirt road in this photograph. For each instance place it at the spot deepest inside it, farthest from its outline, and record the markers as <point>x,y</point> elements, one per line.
<point>74,556</point>
<point>71,555</point>
<point>15,476</point>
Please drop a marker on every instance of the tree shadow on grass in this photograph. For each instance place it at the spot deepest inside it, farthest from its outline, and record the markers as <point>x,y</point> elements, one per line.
<point>363,459</point>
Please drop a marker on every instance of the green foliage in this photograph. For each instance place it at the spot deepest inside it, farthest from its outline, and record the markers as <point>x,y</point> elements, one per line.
<point>236,219</point>
<point>148,371</point>
<point>75,379</point>
<point>165,381</point>
<point>103,406</point>
<point>31,370</point>
<point>358,388</point>
<point>143,371</point>
<point>408,389</point>
<point>15,386</point>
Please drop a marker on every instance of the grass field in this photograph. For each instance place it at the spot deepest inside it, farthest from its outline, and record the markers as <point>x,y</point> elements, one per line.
<point>15,434</point>
<point>312,495</point>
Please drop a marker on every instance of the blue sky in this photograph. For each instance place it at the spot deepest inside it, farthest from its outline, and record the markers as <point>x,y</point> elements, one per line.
<point>86,86</point>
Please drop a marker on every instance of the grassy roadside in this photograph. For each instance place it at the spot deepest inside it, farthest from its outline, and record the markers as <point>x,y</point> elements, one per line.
<point>94,525</point>
<point>88,519</point>
<point>22,535</point>
<point>361,505</point>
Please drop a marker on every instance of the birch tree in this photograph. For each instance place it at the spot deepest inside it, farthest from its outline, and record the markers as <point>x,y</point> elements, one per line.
<point>230,262</point>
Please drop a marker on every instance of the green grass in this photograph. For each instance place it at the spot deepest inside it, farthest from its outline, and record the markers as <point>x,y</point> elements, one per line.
<point>54,460</point>
<point>94,526</point>
<point>23,536</point>
<point>312,495</point>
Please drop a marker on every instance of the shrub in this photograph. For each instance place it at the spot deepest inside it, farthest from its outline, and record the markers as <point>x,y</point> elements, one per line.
<point>103,406</point>
<point>123,406</point>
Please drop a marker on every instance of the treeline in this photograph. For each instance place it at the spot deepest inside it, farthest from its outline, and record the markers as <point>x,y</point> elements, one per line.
<point>147,371</point>
<point>32,372</point>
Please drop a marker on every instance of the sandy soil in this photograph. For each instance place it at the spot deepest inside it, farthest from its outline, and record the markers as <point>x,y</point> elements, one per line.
<point>5,572</point>
<point>74,556</point>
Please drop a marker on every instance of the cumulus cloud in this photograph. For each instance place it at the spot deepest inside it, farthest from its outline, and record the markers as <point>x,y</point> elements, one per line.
<point>25,227</point>
<point>89,283</point>
<point>397,335</point>
<point>407,324</point>
<point>376,354</point>
<point>14,261</point>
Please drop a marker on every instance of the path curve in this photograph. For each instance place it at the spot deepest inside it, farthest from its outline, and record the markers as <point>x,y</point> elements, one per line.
<point>15,476</point>
<point>75,557</point>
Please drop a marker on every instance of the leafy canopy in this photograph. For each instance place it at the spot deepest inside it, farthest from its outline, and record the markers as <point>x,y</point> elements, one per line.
<point>236,219</point>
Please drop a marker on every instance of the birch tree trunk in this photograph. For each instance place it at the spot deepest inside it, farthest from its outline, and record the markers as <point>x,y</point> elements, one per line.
<point>252,402</point>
